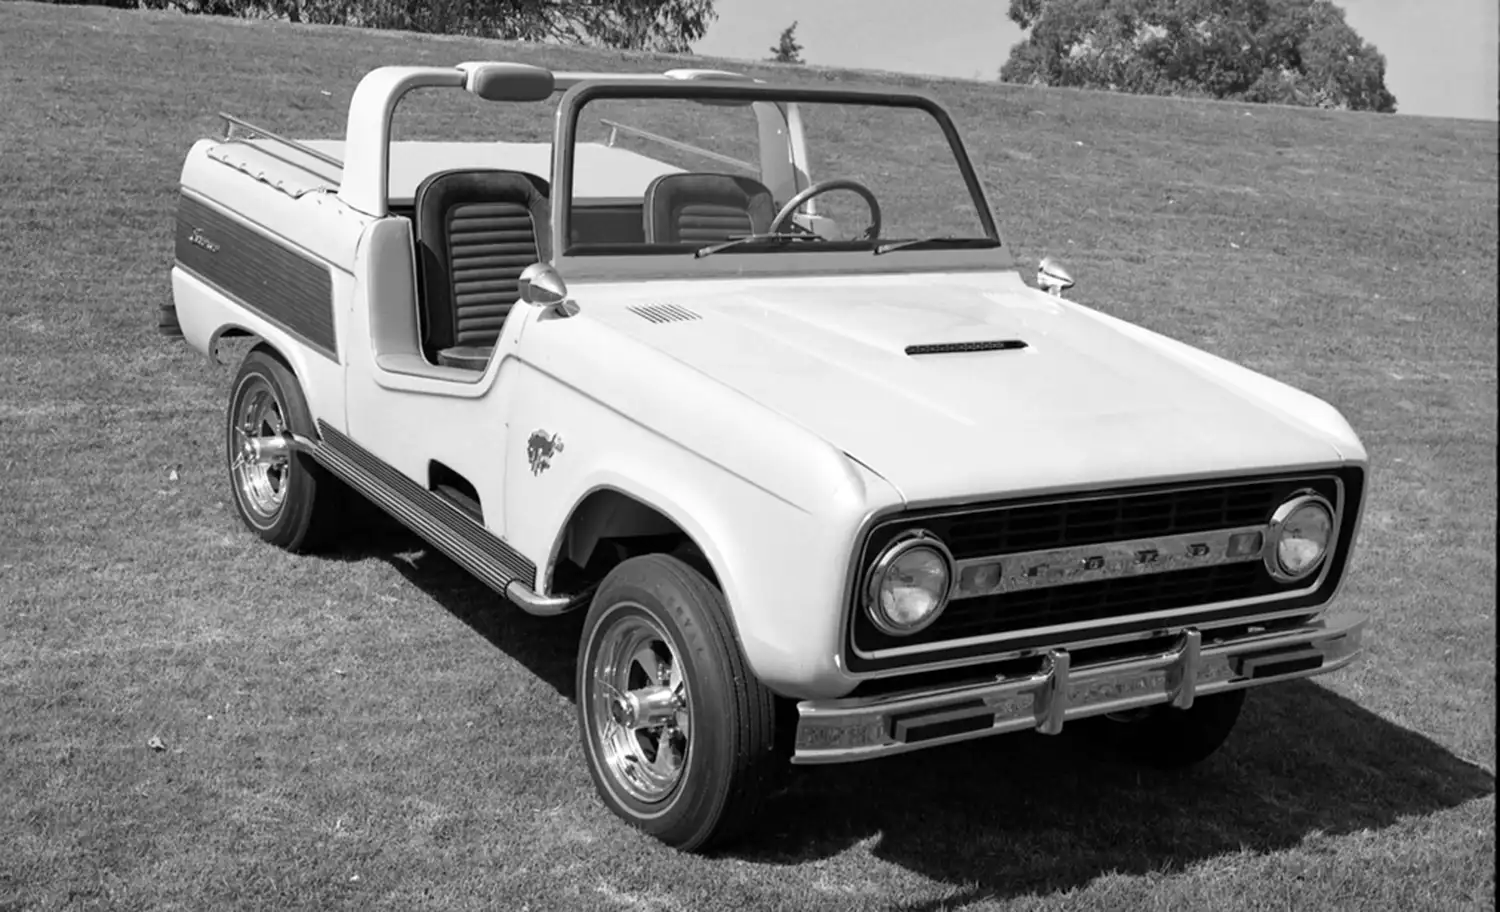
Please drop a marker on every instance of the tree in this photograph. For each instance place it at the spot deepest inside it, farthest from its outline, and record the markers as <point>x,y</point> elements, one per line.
<point>649,25</point>
<point>787,50</point>
<point>1298,52</point>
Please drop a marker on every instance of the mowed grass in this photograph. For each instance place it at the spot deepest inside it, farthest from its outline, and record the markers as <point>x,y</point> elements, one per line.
<point>373,729</point>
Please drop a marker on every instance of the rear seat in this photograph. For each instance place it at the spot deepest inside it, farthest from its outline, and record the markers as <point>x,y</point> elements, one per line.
<point>476,230</point>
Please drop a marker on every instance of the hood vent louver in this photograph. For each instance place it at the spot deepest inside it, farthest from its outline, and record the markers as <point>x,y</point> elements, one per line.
<point>663,313</point>
<point>951,348</point>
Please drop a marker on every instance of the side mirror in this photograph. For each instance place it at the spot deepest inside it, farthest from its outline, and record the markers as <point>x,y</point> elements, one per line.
<point>542,287</point>
<point>1052,278</point>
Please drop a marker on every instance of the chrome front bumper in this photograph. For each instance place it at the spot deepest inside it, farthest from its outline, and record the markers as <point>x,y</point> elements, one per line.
<point>859,728</point>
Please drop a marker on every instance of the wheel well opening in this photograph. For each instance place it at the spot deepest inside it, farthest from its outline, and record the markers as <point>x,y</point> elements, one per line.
<point>608,528</point>
<point>230,344</point>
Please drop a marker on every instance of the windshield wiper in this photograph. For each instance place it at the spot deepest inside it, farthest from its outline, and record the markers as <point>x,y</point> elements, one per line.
<point>946,239</point>
<point>782,236</point>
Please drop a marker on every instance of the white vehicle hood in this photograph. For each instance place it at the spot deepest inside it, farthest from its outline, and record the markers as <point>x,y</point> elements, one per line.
<point>1083,403</point>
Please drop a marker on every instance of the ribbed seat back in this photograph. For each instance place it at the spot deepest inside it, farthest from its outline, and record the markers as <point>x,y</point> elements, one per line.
<point>704,208</point>
<point>476,232</point>
<point>488,246</point>
<point>707,223</point>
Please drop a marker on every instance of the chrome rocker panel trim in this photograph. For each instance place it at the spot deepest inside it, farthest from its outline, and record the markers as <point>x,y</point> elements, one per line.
<point>861,728</point>
<point>466,542</point>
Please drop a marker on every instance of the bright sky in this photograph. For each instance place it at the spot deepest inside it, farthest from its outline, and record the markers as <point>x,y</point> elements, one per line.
<point>1441,55</point>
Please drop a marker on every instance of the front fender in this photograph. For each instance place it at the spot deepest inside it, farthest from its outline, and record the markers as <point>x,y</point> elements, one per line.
<point>775,509</point>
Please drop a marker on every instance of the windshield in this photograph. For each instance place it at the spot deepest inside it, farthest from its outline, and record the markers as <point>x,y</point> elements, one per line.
<point>800,172</point>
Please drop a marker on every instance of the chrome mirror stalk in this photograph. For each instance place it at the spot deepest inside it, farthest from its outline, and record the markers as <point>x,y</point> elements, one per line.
<point>1052,278</point>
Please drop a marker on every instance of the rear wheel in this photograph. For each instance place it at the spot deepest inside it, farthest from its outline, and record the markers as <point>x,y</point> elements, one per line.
<point>1168,738</point>
<point>283,496</point>
<point>677,731</point>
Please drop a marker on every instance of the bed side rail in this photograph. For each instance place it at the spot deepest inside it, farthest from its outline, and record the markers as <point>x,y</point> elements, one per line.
<point>291,167</point>
<point>231,122</point>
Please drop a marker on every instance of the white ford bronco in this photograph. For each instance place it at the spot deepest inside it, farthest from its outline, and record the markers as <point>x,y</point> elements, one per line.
<point>744,372</point>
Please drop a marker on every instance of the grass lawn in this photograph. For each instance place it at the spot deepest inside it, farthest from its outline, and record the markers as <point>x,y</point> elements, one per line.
<point>374,729</point>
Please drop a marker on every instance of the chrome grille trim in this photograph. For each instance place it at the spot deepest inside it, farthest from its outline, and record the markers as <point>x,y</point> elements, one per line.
<point>1086,563</point>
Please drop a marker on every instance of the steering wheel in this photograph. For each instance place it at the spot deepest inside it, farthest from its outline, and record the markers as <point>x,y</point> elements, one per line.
<point>779,223</point>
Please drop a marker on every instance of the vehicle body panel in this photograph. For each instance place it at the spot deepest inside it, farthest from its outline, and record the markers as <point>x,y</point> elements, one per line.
<point>1079,401</point>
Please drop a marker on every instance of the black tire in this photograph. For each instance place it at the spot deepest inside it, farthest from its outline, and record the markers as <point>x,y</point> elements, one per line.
<point>291,502</point>
<point>722,748</point>
<point>1167,738</point>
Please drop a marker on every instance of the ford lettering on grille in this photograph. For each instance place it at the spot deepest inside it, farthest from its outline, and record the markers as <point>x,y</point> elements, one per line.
<point>1086,563</point>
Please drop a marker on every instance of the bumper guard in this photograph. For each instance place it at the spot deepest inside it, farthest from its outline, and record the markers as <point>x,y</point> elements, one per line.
<point>860,728</point>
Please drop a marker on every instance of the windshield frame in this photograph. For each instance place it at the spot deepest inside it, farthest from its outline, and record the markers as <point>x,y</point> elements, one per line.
<point>669,261</point>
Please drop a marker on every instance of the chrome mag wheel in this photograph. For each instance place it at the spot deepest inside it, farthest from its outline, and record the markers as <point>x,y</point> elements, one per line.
<point>640,707</point>
<point>678,733</point>
<point>285,498</point>
<point>261,456</point>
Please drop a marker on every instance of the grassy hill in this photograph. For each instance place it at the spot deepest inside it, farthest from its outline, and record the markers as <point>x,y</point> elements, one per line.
<point>376,730</point>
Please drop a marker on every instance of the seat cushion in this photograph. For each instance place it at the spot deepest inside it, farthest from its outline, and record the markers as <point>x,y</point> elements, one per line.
<point>469,357</point>
<point>476,231</point>
<point>703,208</point>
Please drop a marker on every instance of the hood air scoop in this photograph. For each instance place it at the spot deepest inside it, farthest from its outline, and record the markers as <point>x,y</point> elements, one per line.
<point>951,348</point>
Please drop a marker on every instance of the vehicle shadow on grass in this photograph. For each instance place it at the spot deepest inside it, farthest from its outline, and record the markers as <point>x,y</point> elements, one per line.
<point>1024,814</point>
<point>547,647</point>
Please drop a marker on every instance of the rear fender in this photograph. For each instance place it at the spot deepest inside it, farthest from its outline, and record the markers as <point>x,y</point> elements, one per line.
<point>207,315</point>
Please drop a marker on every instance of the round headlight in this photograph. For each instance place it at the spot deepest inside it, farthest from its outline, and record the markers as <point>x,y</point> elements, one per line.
<point>909,585</point>
<point>1301,534</point>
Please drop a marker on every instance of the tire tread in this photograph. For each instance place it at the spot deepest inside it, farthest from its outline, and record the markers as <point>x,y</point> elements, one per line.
<point>313,523</point>
<point>754,762</point>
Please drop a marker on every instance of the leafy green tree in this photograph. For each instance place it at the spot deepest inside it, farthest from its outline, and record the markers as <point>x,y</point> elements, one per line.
<point>653,25</point>
<point>1297,52</point>
<point>788,50</point>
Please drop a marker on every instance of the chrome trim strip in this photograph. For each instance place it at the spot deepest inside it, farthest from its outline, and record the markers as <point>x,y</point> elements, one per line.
<point>1165,617</point>
<point>861,728</point>
<point>1107,560</point>
<point>539,605</point>
<point>468,543</point>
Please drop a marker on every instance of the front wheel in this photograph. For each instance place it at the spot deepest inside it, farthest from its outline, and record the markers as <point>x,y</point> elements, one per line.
<point>677,731</point>
<point>1168,738</point>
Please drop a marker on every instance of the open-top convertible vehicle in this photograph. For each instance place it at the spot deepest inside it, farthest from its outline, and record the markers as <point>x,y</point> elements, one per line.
<point>744,371</point>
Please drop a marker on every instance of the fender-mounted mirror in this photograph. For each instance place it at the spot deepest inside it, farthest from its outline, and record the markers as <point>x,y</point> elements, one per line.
<point>541,286</point>
<point>1052,278</point>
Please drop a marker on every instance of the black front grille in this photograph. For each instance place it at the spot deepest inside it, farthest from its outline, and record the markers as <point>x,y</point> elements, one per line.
<point>1113,518</point>
<point>1039,524</point>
